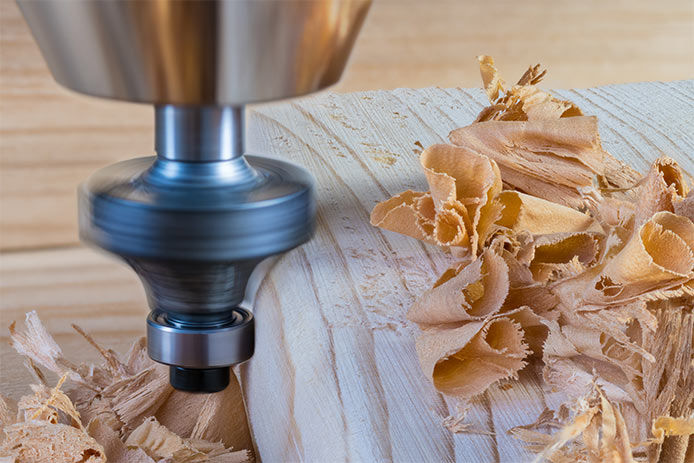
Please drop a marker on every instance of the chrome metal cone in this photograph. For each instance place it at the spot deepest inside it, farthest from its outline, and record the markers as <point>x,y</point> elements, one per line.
<point>216,52</point>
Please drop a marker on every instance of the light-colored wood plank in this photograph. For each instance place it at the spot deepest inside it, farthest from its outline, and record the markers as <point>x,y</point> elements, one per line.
<point>334,310</point>
<point>335,376</point>
<point>52,139</point>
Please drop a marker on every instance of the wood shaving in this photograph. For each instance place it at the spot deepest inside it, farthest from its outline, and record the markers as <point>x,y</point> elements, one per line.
<point>466,207</point>
<point>40,434</point>
<point>158,442</point>
<point>564,255</point>
<point>456,422</point>
<point>7,412</point>
<point>662,188</point>
<point>464,293</point>
<point>548,150</point>
<point>460,208</point>
<point>522,102</point>
<point>132,413</point>
<point>553,159</point>
<point>600,426</point>
<point>463,360</point>
<point>685,207</point>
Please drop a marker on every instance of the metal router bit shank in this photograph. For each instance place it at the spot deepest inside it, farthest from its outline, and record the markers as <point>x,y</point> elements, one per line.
<point>194,222</point>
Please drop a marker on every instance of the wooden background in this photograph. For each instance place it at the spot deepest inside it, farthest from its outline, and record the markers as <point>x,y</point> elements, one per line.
<point>52,139</point>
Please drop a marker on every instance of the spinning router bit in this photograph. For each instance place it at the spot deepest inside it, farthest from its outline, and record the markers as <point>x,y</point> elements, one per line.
<point>196,219</point>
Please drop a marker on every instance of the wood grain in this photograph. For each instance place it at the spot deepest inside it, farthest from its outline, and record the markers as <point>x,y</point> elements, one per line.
<point>52,139</point>
<point>335,376</point>
<point>413,43</point>
<point>330,318</point>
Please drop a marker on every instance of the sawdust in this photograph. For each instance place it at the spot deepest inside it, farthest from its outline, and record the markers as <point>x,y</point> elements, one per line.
<point>567,257</point>
<point>132,413</point>
<point>387,159</point>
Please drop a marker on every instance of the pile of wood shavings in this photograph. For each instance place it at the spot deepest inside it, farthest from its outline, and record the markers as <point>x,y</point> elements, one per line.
<point>566,256</point>
<point>132,413</point>
<point>603,434</point>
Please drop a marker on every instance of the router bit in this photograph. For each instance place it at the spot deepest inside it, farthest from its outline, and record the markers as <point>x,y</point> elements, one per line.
<point>195,220</point>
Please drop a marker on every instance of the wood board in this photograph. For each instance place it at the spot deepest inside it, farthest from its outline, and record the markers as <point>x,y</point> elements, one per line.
<point>335,376</point>
<point>334,309</point>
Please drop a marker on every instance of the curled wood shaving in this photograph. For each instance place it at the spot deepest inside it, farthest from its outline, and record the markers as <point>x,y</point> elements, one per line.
<point>662,188</point>
<point>558,256</point>
<point>491,81</point>
<point>466,292</point>
<point>458,211</point>
<point>659,255</point>
<point>553,159</point>
<point>523,101</point>
<point>575,156</point>
<point>116,399</point>
<point>466,207</point>
<point>562,253</point>
<point>464,360</point>
<point>527,213</point>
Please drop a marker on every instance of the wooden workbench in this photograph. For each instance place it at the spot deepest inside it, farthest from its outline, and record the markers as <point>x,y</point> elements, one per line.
<point>335,376</point>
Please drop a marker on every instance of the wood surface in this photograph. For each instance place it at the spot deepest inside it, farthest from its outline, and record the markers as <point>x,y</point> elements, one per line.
<point>335,376</point>
<point>52,139</point>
